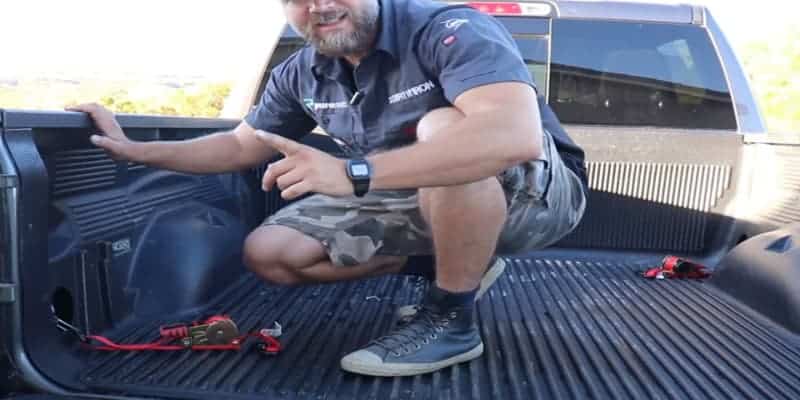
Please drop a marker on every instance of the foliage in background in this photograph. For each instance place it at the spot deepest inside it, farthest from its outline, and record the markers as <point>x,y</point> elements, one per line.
<point>204,101</point>
<point>774,71</point>
<point>188,99</point>
<point>773,68</point>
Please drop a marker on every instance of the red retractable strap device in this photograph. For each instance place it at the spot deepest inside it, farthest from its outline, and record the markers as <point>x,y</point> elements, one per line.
<point>218,332</point>
<point>675,267</point>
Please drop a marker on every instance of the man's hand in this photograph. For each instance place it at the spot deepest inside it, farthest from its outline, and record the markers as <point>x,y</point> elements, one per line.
<point>113,139</point>
<point>304,169</point>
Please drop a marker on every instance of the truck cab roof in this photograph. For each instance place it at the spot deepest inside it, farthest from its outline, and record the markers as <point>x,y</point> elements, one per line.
<point>588,9</point>
<point>622,10</point>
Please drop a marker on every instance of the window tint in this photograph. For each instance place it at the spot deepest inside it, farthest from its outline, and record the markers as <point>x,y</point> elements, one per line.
<point>534,52</point>
<point>525,26</point>
<point>622,73</point>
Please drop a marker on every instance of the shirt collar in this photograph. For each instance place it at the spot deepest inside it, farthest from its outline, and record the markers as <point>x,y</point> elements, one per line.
<point>387,34</point>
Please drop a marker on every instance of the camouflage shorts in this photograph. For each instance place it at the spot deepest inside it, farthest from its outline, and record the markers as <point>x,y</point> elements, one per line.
<point>545,201</point>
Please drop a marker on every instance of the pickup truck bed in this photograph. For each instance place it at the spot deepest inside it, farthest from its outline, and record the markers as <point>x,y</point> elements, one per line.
<point>131,248</point>
<point>555,326</point>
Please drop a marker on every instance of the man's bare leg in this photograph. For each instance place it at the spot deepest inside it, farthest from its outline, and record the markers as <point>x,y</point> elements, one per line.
<point>286,256</point>
<point>465,220</point>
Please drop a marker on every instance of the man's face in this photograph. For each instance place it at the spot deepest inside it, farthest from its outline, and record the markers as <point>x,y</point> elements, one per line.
<point>335,28</point>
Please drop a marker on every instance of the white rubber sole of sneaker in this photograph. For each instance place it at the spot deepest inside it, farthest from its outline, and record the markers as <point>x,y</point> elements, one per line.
<point>353,365</point>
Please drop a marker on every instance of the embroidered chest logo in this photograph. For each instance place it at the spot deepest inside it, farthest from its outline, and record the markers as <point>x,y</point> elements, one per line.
<point>317,106</point>
<point>412,92</point>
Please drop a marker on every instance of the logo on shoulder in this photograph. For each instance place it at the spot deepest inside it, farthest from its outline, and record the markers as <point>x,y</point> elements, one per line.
<point>412,92</point>
<point>454,23</point>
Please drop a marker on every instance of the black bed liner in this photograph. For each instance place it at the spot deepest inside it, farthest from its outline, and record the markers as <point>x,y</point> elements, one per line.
<point>555,327</point>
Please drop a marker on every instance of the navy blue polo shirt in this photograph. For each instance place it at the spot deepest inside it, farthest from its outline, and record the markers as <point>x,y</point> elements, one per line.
<point>425,56</point>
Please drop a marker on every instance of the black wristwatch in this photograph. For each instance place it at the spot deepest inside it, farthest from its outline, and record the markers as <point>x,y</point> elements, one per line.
<point>359,171</point>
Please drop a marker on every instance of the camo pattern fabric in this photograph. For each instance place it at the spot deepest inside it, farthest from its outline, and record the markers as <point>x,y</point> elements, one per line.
<point>545,201</point>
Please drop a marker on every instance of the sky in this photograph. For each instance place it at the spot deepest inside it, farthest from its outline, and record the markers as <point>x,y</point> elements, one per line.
<point>215,38</point>
<point>207,37</point>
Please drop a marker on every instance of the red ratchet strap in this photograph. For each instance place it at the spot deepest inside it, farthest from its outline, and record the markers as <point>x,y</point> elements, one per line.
<point>215,333</point>
<point>675,267</point>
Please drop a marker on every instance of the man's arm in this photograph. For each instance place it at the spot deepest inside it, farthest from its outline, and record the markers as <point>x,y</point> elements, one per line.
<point>220,152</point>
<point>216,153</point>
<point>482,74</point>
<point>501,128</point>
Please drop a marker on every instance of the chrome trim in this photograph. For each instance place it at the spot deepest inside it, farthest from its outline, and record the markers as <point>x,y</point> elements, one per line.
<point>698,16</point>
<point>553,4</point>
<point>725,72</point>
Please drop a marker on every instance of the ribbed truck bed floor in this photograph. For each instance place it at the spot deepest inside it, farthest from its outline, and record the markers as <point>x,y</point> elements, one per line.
<point>552,328</point>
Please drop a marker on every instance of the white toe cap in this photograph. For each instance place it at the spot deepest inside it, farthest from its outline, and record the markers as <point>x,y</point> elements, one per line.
<point>356,361</point>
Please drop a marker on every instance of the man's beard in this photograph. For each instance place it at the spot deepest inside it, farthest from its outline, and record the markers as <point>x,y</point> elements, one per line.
<point>342,43</point>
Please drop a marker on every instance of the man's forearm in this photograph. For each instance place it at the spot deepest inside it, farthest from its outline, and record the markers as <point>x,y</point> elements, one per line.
<point>475,148</point>
<point>216,153</point>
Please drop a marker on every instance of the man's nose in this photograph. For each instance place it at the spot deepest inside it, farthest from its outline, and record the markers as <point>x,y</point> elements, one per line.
<point>320,5</point>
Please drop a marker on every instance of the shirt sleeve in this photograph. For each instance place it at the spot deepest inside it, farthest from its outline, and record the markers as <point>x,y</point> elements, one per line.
<point>465,49</point>
<point>280,111</point>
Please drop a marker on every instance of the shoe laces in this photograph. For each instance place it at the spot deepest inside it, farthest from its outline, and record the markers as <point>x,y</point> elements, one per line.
<point>418,330</point>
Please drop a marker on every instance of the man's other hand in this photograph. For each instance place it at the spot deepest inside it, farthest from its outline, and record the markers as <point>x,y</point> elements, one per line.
<point>112,139</point>
<point>304,170</point>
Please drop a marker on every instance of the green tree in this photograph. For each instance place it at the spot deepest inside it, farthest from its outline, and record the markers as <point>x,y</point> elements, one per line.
<point>774,71</point>
<point>205,100</point>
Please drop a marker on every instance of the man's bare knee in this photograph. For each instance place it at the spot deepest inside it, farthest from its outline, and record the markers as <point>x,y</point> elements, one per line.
<point>486,194</point>
<point>264,255</point>
<point>280,276</point>
<point>436,120</point>
<point>275,252</point>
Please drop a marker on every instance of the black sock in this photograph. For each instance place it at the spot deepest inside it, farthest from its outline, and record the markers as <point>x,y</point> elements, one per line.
<point>447,300</point>
<point>423,266</point>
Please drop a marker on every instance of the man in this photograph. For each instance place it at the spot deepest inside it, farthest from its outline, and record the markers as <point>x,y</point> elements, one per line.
<point>448,156</point>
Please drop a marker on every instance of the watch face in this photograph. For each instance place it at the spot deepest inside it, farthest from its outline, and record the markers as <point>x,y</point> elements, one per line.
<point>359,170</point>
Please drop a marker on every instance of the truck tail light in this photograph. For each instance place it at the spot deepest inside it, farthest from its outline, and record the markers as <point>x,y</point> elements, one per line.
<point>497,8</point>
<point>512,8</point>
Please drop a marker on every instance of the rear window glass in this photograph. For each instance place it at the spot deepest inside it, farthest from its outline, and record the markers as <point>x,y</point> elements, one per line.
<point>534,51</point>
<point>637,74</point>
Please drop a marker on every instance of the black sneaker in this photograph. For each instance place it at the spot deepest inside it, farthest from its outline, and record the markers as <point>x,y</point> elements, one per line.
<point>432,340</point>
<point>404,314</point>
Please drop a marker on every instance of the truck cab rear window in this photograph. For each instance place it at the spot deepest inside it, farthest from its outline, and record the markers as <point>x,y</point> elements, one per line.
<point>534,52</point>
<point>637,74</point>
